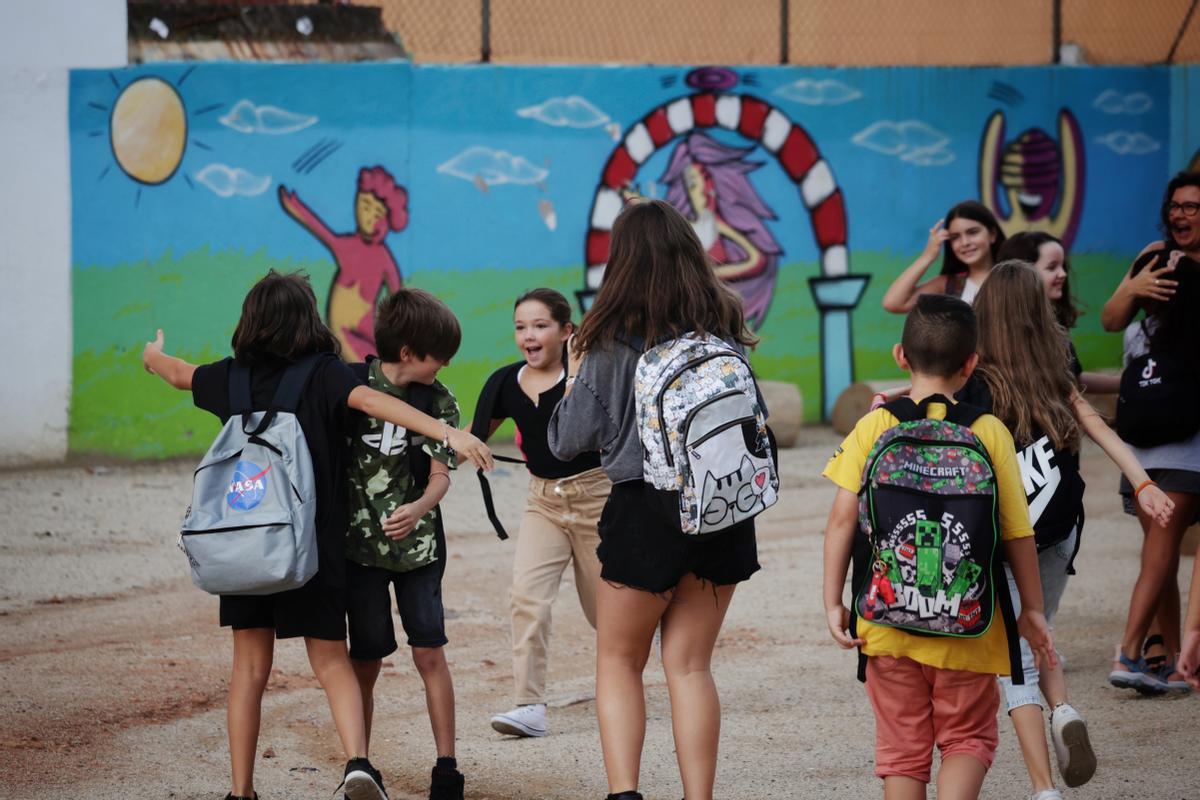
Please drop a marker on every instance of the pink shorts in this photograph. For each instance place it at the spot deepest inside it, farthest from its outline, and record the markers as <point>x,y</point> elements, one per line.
<point>917,706</point>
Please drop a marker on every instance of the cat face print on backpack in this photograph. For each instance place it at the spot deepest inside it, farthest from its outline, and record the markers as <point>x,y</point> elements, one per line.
<point>735,496</point>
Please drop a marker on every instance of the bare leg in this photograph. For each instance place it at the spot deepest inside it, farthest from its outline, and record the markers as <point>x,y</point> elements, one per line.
<point>961,777</point>
<point>625,622</point>
<point>689,633</point>
<point>902,787</point>
<point>1160,550</point>
<point>331,665</point>
<point>439,695</point>
<point>253,649</point>
<point>1031,734</point>
<point>367,672</point>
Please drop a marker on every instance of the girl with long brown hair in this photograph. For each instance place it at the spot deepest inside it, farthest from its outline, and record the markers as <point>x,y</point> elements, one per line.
<point>1024,378</point>
<point>659,284</point>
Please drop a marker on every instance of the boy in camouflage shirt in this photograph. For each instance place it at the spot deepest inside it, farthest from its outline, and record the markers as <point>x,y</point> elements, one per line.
<point>395,537</point>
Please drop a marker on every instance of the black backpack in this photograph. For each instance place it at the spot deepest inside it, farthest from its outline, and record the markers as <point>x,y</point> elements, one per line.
<point>1159,400</point>
<point>927,555</point>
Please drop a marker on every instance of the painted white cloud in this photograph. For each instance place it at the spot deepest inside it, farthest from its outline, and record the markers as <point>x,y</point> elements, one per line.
<point>569,112</point>
<point>246,117</point>
<point>1113,102</point>
<point>818,93</point>
<point>226,181</point>
<point>493,167</point>
<point>909,140</point>
<point>1129,143</point>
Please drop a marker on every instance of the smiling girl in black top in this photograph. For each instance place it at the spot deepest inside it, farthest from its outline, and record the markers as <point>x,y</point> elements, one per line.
<point>564,505</point>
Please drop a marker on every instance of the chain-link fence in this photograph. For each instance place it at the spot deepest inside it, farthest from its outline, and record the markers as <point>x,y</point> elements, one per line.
<point>845,32</point>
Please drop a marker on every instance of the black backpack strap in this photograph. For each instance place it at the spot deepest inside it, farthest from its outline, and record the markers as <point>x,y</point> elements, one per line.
<point>904,409</point>
<point>295,380</point>
<point>240,402</point>
<point>1007,610</point>
<point>963,414</point>
<point>420,397</point>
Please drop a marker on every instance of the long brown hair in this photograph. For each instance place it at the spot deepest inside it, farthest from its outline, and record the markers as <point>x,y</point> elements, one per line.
<point>280,321</point>
<point>1024,356</point>
<point>660,284</point>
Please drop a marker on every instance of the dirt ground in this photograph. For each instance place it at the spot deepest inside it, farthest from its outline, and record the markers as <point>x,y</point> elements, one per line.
<point>113,670</point>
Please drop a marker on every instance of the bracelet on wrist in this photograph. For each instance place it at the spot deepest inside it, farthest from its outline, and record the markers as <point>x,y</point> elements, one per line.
<point>1143,485</point>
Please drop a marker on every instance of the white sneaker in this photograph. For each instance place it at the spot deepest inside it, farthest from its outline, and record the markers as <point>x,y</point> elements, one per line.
<point>1047,794</point>
<point>1076,759</point>
<point>527,720</point>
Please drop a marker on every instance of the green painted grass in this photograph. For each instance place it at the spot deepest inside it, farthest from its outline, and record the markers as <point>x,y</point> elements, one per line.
<point>118,409</point>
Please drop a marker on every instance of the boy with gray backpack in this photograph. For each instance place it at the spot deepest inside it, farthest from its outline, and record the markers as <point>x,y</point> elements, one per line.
<point>929,501</point>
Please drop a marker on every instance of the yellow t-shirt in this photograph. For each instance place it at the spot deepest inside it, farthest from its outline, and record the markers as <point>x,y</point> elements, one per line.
<point>987,653</point>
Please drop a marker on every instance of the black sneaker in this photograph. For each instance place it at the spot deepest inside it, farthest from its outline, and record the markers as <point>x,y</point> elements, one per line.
<point>362,781</point>
<point>446,783</point>
<point>232,796</point>
<point>625,796</point>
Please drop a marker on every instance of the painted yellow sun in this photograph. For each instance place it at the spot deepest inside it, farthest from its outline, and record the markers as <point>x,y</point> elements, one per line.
<point>148,130</point>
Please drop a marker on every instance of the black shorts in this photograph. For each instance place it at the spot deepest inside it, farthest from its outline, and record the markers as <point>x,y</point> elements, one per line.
<point>314,610</point>
<point>369,608</point>
<point>1169,480</point>
<point>638,551</point>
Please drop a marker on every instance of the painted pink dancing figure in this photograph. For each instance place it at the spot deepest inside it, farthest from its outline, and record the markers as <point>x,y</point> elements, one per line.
<point>364,263</point>
<point>707,182</point>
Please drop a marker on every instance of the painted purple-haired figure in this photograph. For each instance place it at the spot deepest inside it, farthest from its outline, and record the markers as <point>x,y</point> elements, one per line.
<point>707,182</point>
<point>364,263</point>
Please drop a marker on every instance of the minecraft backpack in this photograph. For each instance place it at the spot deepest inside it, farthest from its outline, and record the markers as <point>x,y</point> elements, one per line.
<point>928,559</point>
<point>251,527</point>
<point>707,459</point>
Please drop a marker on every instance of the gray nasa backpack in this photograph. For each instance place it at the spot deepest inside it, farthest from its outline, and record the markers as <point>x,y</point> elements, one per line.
<point>706,452</point>
<point>251,527</point>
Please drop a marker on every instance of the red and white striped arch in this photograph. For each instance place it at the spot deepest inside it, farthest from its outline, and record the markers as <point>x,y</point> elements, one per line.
<point>755,120</point>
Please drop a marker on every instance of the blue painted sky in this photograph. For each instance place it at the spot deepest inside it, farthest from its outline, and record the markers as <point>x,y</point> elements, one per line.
<point>411,119</point>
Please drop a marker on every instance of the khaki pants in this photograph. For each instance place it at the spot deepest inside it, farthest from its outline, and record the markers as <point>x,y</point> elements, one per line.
<point>559,527</point>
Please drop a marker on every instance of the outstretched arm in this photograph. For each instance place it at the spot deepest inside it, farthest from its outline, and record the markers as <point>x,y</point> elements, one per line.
<point>305,216</point>
<point>174,371</point>
<point>388,408</point>
<point>1152,499</point>
<point>839,539</point>
<point>902,295</point>
<point>1099,383</point>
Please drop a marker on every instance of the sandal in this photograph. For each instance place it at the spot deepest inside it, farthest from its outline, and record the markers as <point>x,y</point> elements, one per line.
<point>1161,669</point>
<point>1134,675</point>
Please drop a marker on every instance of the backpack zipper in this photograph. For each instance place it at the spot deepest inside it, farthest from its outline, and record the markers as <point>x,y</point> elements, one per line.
<point>662,416</point>
<point>231,528</point>
<point>719,429</point>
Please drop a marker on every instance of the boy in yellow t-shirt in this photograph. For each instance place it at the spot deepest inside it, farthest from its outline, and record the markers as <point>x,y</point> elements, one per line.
<point>934,690</point>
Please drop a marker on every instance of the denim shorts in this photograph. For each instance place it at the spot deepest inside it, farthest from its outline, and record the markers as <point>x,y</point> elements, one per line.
<point>638,550</point>
<point>369,608</point>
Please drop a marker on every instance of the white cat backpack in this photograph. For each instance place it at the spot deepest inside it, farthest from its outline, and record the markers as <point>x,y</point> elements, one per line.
<point>706,452</point>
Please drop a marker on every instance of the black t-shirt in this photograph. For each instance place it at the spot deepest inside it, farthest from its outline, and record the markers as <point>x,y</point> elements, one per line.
<point>325,420</point>
<point>1076,367</point>
<point>1053,485</point>
<point>532,420</point>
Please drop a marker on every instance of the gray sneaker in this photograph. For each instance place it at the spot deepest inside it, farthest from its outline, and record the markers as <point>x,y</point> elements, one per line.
<point>1072,746</point>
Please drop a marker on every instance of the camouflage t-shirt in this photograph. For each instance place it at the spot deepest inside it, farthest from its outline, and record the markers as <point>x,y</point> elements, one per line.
<point>381,480</point>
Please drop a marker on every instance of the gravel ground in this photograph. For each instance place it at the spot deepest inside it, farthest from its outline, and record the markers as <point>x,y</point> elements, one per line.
<point>113,670</point>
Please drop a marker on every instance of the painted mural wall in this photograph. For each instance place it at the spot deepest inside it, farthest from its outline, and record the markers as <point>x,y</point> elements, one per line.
<point>811,188</point>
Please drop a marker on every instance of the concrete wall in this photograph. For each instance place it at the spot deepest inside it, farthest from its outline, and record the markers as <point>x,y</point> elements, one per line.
<point>39,43</point>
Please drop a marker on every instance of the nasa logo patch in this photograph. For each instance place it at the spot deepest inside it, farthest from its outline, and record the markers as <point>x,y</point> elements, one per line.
<point>248,485</point>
